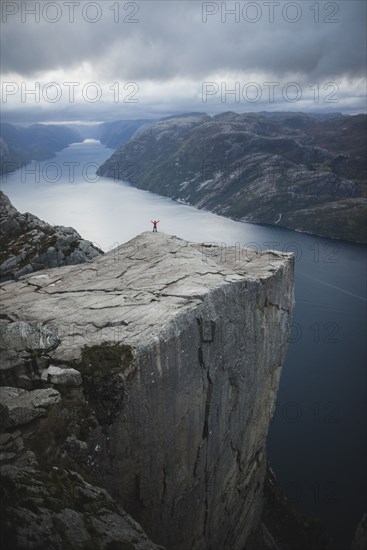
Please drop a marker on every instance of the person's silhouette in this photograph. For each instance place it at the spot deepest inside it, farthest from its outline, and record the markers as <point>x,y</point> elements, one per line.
<point>155,223</point>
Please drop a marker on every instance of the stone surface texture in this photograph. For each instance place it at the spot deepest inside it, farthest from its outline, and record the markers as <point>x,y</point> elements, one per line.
<point>28,244</point>
<point>180,348</point>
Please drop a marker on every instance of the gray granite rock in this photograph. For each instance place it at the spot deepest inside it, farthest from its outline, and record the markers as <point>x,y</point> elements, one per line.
<point>24,336</point>
<point>59,509</point>
<point>24,271</point>
<point>30,244</point>
<point>22,369</point>
<point>180,347</point>
<point>22,407</point>
<point>62,376</point>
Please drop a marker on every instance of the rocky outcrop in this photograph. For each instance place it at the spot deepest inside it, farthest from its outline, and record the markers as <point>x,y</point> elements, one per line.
<point>58,509</point>
<point>29,244</point>
<point>21,407</point>
<point>305,172</point>
<point>179,347</point>
<point>22,336</point>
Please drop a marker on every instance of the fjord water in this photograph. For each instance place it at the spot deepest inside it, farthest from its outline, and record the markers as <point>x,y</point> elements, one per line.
<point>316,442</point>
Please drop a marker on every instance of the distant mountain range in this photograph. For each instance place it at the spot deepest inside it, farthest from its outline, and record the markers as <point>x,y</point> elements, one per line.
<point>115,134</point>
<point>301,171</point>
<point>19,145</point>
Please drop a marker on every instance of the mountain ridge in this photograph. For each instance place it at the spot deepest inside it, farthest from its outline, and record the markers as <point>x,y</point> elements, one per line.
<point>285,169</point>
<point>19,145</point>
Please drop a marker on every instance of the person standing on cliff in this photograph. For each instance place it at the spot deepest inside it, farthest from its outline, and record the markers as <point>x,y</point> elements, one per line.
<point>155,223</point>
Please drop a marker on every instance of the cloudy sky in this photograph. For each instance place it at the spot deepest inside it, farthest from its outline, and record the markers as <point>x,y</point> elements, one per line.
<point>84,60</point>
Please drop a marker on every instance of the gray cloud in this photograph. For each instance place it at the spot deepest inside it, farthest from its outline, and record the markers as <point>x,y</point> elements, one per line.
<point>172,41</point>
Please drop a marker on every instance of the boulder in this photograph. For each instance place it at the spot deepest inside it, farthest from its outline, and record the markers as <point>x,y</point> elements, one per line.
<point>62,376</point>
<point>24,336</point>
<point>20,406</point>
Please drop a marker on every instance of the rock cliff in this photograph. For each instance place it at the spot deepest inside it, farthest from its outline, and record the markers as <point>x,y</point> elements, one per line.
<point>151,372</point>
<point>28,244</point>
<point>301,171</point>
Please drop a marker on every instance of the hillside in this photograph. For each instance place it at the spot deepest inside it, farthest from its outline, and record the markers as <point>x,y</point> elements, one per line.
<point>117,133</point>
<point>300,171</point>
<point>19,145</point>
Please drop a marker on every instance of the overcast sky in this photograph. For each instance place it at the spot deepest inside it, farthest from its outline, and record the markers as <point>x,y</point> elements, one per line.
<point>108,60</point>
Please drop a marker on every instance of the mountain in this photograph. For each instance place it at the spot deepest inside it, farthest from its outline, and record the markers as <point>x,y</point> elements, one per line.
<point>28,244</point>
<point>114,134</point>
<point>304,172</point>
<point>111,134</point>
<point>143,382</point>
<point>19,145</point>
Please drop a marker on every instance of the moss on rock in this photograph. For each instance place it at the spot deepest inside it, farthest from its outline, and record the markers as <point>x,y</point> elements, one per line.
<point>105,360</point>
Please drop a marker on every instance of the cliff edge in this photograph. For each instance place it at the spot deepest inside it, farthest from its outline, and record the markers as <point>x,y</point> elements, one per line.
<point>160,361</point>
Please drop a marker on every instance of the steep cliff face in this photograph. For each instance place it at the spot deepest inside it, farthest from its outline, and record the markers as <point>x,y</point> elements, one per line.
<point>29,244</point>
<point>299,171</point>
<point>180,348</point>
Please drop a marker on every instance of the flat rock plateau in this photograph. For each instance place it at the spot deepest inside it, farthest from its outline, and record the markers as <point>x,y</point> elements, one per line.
<point>136,395</point>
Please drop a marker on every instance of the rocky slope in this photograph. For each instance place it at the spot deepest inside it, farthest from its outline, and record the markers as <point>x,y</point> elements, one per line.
<point>299,171</point>
<point>151,372</point>
<point>28,244</point>
<point>114,134</point>
<point>20,145</point>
